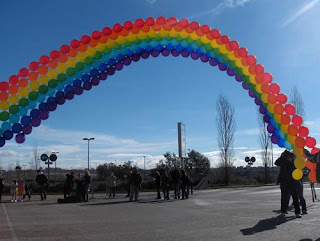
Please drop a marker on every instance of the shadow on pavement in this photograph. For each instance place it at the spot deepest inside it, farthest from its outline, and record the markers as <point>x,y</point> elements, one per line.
<point>266,224</point>
<point>106,203</point>
<point>309,239</point>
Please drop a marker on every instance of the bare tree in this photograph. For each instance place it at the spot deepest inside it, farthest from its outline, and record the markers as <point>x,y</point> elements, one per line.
<point>226,128</point>
<point>265,144</point>
<point>296,100</point>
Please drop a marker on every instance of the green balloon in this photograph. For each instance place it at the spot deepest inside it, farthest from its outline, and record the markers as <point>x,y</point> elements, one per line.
<point>108,51</point>
<point>148,39</point>
<point>53,83</point>
<point>97,55</point>
<point>208,47</point>
<point>62,77</point>
<point>33,95</point>
<point>4,116</point>
<point>216,52</point>
<point>79,66</point>
<point>43,89</point>
<point>23,102</point>
<point>189,40</point>
<point>14,109</point>
<point>88,60</point>
<point>199,43</point>
<point>117,46</point>
<point>168,37</point>
<point>71,71</point>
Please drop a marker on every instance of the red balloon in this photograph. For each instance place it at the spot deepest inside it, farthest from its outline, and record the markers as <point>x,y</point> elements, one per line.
<point>75,43</point>
<point>215,33</point>
<point>85,39</point>
<point>139,22</point>
<point>265,88</point>
<point>161,20</point>
<point>292,130</point>
<point>64,49</point>
<point>259,69</point>
<point>233,45</point>
<point>96,35</point>
<point>33,66</point>
<point>23,72</point>
<point>289,109</point>
<point>267,78</point>
<point>13,79</point>
<point>243,52</point>
<point>315,150</point>
<point>282,98</point>
<point>224,39</point>
<point>303,131</point>
<point>184,22</point>
<point>251,60</point>
<point>272,99</point>
<point>278,109</point>
<point>117,28</point>
<point>312,176</point>
<point>106,31</point>
<point>274,88</point>
<point>204,28</point>
<point>44,59</point>
<point>194,25</point>
<point>310,142</point>
<point>297,120</point>
<point>4,86</point>
<point>171,21</point>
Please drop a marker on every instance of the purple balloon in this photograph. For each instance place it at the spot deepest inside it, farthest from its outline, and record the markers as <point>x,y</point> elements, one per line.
<point>87,86</point>
<point>175,53</point>
<point>257,101</point>
<point>111,71</point>
<point>27,129</point>
<point>230,72</point>
<point>103,75</point>
<point>2,141</point>
<point>204,58</point>
<point>262,110</point>
<point>238,78</point>
<point>165,52</point>
<point>126,61</point>
<point>270,128</point>
<point>119,66</point>
<point>155,53</point>
<point>194,56</point>
<point>20,138</point>
<point>95,81</point>
<point>52,106</point>
<point>274,139</point>
<point>252,94</point>
<point>78,90</point>
<point>44,115</point>
<point>145,55</point>
<point>266,118</point>
<point>245,86</point>
<point>213,62</point>
<point>61,100</point>
<point>185,54</point>
<point>70,95</point>
<point>135,58</point>
<point>222,67</point>
<point>35,122</point>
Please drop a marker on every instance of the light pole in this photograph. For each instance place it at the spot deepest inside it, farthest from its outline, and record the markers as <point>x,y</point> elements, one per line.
<point>55,166</point>
<point>88,139</point>
<point>24,172</point>
<point>144,163</point>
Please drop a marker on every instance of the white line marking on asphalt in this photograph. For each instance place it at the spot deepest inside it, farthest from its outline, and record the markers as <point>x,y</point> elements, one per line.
<point>13,234</point>
<point>201,202</point>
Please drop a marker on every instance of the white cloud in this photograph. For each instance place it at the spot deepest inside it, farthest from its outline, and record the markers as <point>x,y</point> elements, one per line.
<point>151,2</point>
<point>221,6</point>
<point>306,8</point>
<point>248,132</point>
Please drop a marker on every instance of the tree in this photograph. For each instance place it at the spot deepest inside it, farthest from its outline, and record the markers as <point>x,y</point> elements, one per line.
<point>296,100</point>
<point>265,143</point>
<point>198,164</point>
<point>171,162</point>
<point>226,127</point>
<point>120,171</point>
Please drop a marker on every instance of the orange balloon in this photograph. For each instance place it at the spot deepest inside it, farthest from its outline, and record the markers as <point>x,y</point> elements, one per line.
<point>278,109</point>
<point>312,176</point>
<point>310,165</point>
<point>13,89</point>
<point>272,98</point>
<point>300,142</point>
<point>285,119</point>
<point>43,69</point>
<point>33,76</point>
<point>292,130</point>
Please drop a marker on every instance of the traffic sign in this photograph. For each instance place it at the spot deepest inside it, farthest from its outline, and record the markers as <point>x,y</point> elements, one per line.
<point>48,163</point>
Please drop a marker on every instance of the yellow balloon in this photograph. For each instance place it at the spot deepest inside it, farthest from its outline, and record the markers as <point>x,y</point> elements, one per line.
<point>23,92</point>
<point>52,73</point>
<point>277,118</point>
<point>90,51</point>
<point>297,174</point>
<point>173,33</point>
<point>204,39</point>
<point>121,40</point>
<point>100,46</point>
<point>297,151</point>
<point>299,163</point>
<point>270,108</point>
<point>223,49</point>
<point>184,34</point>
<point>142,35</point>
<point>231,56</point>
<point>62,68</point>
<point>13,99</point>
<point>194,36</point>
<point>258,87</point>
<point>214,44</point>
<point>163,33</point>
<point>264,98</point>
<point>72,62</point>
<point>252,80</point>
<point>245,71</point>
<point>284,128</point>
<point>131,37</point>
<point>110,44</point>
<point>81,57</point>
<point>152,33</point>
<point>239,63</point>
<point>4,105</point>
<point>43,79</point>
<point>291,139</point>
<point>34,85</point>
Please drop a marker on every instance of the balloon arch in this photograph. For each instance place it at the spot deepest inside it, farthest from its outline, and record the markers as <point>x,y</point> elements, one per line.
<point>27,97</point>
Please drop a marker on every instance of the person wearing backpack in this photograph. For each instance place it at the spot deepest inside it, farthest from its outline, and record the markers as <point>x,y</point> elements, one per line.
<point>42,181</point>
<point>1,185</point>
<point>135,184</point>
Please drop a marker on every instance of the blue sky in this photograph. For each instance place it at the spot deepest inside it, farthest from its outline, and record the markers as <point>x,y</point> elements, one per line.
<point>135,112</point>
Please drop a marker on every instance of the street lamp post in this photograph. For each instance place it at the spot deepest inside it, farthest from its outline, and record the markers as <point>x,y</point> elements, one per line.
<point>55,166</point>
<point>88,139</point>
<point>144,163</point>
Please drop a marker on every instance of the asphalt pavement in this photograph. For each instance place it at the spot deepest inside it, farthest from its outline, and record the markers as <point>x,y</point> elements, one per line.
<point>250,213</point>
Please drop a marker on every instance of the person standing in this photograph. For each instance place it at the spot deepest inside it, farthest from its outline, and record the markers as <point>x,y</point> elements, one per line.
<point>165,185</point>
<point>111,185</point>
<point>184,183</point>
<point>21,189</point>
<point>42,181</point>
<point>13,190</point>
<point>1,185</point>
<point>158,182</point>
<point>80,192</point>
<point>135,184</point>
<point>87,181</point>
<point>288,185</point>
<point>175,175</point>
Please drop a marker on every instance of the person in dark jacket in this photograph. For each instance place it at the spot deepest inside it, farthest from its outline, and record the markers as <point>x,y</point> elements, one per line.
<point>80,192</point>
<point>68,186</point>
<point>87,181</point>
<point>135,184</point>
<point>183,184</point>
<point>165,185</point>
<point>1,185</point>
<point>175,175</point>
<point>288,185</point>
<point>42,181</point>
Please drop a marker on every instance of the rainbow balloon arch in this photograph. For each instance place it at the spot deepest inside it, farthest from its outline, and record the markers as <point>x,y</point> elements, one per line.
<point>28,97</point>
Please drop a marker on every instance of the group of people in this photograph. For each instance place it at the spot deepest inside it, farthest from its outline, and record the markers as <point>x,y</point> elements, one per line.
<point>80,184</point>
<point>180,180</point>
<point>19,190</point>
<point>289,186</point>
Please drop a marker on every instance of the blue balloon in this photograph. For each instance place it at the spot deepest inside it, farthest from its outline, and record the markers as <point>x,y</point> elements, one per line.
<point>95,65</point>
<point>32,104</point>
<point>14,118</point>
<point>170,47</point>
<point>7,135</point>
<point>179,47</point>
<point>61,93</point>
<point>85,78</point>
<point>60,86</point>
<point>281,142</point>
<point>16,128</point>
<point>94,73</point>
<point>112,62</point>
<point>2,141</point>
<point>5,126</point>
<point>43,106</point>
<point>51,92</point>
<point>25,120</point>
<point>51,100</point>
<point>35,113</point>
<point>102,68</point>
<point>149,48</point>
<point>41,98</point>
<point>69,88</point>
<point>287,145</point>
<point>23,111</point>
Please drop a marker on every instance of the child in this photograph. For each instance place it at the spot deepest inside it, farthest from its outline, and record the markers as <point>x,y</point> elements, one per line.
<point>21,189</point>
<point>27,191</point>
<point>13,190</point>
